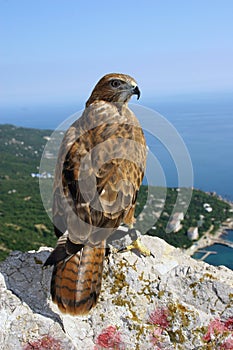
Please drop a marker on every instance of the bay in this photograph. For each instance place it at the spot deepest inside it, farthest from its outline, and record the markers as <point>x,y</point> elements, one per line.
<point>205,123</point>
<point>224,254</point>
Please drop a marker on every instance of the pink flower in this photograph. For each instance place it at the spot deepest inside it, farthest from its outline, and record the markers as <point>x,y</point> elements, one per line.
<point>229,324</point>
<point>156,335</point>
<point>110,338</point>
<point>159,317</point>
<point>227,345</point>
<point>45,343</point>
<point>215,327</point>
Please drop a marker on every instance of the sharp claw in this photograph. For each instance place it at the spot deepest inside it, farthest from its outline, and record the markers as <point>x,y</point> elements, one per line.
<point>140,247</point>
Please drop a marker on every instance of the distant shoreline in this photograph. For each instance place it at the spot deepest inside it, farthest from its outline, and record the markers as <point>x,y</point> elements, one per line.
<point>208,239</point>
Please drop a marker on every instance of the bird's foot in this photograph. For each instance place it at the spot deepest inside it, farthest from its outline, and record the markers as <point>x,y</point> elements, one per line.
<point>137,244</point>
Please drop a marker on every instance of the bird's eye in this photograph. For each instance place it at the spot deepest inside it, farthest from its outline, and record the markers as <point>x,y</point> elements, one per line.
<point>115,83</point>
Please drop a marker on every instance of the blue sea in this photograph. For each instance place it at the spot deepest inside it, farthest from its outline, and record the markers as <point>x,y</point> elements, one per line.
<point>204,122</point>
<point>224,254</point>
<point>206,126</point>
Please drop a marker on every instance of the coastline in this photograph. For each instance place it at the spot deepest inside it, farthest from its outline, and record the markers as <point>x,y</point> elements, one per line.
<point>208,239</point>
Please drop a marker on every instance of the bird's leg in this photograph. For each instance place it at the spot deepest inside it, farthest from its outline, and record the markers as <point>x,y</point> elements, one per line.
<point>137,244</point>
<point>126,239</point>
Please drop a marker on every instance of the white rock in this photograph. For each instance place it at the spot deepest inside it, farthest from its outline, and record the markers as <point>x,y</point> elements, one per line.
<point>192,292</point>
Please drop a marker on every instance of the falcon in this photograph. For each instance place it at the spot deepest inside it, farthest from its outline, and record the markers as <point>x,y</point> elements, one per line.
<point>100,167</point>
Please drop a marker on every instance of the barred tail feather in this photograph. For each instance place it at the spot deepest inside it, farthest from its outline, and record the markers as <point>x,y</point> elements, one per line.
<point>76,281</point>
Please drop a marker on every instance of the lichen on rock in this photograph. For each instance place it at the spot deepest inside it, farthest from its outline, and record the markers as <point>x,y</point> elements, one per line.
<point>186,294</point>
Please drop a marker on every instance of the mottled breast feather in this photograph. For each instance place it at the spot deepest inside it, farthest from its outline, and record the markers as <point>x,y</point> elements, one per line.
<point>99,171</point>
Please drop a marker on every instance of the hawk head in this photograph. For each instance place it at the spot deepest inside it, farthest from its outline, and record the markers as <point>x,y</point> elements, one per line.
<point>114,87</point>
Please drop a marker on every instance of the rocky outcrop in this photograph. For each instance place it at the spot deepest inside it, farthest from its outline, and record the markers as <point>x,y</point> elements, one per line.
<point>163,301</point>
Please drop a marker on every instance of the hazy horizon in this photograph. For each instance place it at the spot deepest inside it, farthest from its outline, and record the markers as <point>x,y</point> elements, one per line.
<point>181,54</point>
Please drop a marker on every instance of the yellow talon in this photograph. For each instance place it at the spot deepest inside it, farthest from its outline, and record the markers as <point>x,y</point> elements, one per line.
<point>137,244</point>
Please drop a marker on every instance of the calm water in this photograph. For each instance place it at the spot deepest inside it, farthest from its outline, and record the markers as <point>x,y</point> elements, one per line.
<point>204,122</point>
<point>206,127</point>
<point>224,254</point>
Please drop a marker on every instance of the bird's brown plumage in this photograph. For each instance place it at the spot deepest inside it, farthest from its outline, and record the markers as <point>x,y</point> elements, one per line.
<point>99,171</point>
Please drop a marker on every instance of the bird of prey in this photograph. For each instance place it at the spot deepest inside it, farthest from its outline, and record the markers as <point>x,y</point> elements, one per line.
<point>100,167</point>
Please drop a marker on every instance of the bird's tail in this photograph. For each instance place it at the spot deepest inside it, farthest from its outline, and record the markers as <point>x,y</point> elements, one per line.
<point>76,280</point>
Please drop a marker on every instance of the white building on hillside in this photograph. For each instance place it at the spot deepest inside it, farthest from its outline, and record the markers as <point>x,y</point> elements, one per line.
<point>192,233</point>
<point>175,222</point>
<point>207,207</point>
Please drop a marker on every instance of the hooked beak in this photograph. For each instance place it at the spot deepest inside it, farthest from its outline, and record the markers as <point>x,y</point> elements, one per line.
<point>137,92</point>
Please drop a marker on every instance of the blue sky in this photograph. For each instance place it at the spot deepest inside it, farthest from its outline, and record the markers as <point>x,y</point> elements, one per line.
<point>56,50</point>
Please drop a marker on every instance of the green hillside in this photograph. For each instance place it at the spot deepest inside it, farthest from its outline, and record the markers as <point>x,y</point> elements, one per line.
<point>24,224</point>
